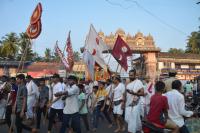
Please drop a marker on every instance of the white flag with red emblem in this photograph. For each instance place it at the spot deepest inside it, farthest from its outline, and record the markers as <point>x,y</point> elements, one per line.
<point>95,46</point>
<point>70,55</point>
<point>89,61</point>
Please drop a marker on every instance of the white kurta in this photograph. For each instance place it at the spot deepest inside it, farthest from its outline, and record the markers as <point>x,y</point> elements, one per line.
<point>177,110</point>
<point>33,94</point>
<point>132,113</point>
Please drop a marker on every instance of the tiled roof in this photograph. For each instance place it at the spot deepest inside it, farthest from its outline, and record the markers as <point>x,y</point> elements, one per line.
<point>179,56</point>
<point>13,63</point>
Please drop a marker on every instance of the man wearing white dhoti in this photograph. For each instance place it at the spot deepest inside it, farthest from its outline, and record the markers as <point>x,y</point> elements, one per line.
<point>33,92</point>
<point>118,101</point>
<point>133,106</point>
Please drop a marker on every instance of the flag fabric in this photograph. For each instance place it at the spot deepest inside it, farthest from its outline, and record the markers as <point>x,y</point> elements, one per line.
<point>95,46</point>
<point>69,50</point>
<point>60,54</point>
<point>90,62</point>
<point>121,51</point>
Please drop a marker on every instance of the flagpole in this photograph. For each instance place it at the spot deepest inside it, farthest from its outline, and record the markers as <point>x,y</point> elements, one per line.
<point>66,43</point>
<point>121,70</point>
<point>109,59</point>
<point>117,68</point>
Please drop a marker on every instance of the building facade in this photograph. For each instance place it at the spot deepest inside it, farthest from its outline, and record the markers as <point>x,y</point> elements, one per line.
<point>152,62</point>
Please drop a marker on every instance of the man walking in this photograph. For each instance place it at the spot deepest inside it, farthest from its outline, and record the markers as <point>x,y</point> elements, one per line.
<point>71,109</point>
<point>21,105</point>
<point>118,100</point>
<point>32,89</point>
<point>133,107</point>
<point>56,104</point>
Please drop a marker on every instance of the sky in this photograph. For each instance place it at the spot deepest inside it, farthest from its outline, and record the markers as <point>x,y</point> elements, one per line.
<point>170,22</point>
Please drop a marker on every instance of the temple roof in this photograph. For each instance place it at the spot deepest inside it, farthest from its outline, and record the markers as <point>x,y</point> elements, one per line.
<point>120,32</point>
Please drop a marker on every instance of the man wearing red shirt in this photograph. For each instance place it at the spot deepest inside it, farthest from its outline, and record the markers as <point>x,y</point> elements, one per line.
<point>158,109</point>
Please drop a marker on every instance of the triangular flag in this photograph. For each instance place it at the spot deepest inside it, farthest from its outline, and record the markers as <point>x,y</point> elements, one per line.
<point>95,46</point>
<point>121,51</point>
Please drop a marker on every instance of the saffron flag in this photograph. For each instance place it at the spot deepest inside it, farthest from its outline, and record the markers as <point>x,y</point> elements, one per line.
<point>89,61</point>
<point>35,27</point>
<point>69,50</point>
<point>60,54</point>
<point>121,51</point>
<point>95,46</point>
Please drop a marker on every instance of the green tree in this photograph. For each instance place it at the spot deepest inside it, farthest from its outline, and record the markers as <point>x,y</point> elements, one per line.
<point>24,42</point>
<point>176,51</point>
<point>76,56</point>
<point>193,44</point>
<point>47,54</point>
<point>9,45</point>
<point>55,57</point>
<point>36,57</point>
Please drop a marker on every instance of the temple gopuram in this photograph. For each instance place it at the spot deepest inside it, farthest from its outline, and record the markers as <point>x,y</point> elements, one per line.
<point>152,62</point>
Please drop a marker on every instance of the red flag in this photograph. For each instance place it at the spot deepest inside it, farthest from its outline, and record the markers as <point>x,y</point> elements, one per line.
<point>70,54</point>
<point>121,51</point>
<point>60,54</point>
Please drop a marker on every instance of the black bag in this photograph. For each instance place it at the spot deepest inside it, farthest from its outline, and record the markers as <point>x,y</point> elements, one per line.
<point>117,102</point>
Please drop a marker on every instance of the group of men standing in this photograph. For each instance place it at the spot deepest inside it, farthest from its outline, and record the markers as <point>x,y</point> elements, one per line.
<point>118,102</point>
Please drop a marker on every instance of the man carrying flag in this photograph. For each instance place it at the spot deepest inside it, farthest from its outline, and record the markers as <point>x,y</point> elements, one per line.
<point>121,51</point>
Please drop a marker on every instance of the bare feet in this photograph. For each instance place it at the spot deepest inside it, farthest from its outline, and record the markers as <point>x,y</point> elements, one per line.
<point>70,130</point>
<point>94,129</point>
<point>123,129</point>
<point>110,125</point>
<point>117,130</point>
<point>34,130</point>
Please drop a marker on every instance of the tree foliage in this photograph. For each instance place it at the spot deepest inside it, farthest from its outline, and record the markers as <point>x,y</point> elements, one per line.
<point>193,44</point>
<point>25,43</point>
<point>76,56</point>
<point>9,45</point>
<point>176,51</point>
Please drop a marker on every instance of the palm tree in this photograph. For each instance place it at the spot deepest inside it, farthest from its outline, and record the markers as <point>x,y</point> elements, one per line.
<point>47,54</point>
<point>25,43</point>
<point>9,46</point>
<point>193,44</point>
<point>76,56</point>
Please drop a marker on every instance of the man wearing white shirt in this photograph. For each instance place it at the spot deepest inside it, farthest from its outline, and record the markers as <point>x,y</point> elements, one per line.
<point>56,105</point>
<point>133,105</point>
<point>118,100</point>
<point>33,92</point>
<point>71,109</point>
<point>176,103</point>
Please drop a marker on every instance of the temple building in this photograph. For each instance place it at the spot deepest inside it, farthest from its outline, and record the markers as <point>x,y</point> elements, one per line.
<point>152,62</point>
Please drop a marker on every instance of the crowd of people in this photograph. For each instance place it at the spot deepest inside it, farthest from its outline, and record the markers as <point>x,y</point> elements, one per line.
<point>69,100</point>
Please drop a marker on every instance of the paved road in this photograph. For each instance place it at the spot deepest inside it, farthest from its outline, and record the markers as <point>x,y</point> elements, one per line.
<point>101,129</point>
